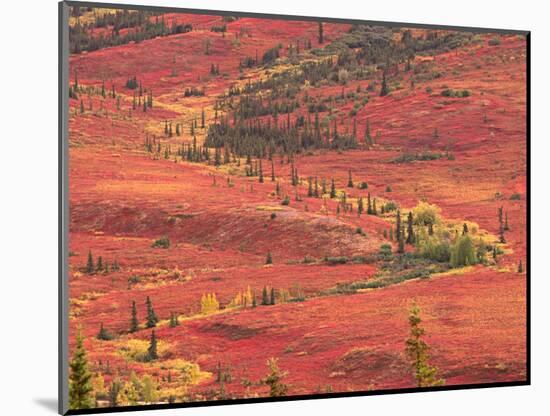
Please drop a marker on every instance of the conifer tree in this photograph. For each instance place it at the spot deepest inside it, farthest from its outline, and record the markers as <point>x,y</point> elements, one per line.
<point>134,324</point>
<point>520,267</point>
<point>151,316</point>
<point>272,171</point>
<point>99,264</point>
<point>203,119</point>
<point>269,259</point>
<point>90,263</point>
<point>418,352</point>
<point>80,386</point>
<point>384,90</point>
<point>464,229</point>
<point>274,379</point>
<point>350,181</point>
<point>502,240</point>
<point>81,107</point>
<point>321,35</point>
<point>152,350</point>
<point>360,206</point>
<point>332,189</point>
<point>410,231</point>
<point>103,334</point>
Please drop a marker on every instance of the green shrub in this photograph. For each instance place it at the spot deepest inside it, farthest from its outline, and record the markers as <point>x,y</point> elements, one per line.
<point>463,252</point>
<point>515,197</point>
<point>336,260</point>
<point>162,242</point>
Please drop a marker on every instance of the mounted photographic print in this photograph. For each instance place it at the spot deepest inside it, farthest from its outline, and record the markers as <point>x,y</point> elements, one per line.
<point>264,208</point>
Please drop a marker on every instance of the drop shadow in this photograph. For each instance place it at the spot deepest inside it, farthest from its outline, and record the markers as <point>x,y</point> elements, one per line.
<point>48,404</point>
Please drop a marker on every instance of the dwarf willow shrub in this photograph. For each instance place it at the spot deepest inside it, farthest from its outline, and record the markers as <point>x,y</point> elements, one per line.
<point>426,214</point>
<point>162,242</point>
<point>463,252</point>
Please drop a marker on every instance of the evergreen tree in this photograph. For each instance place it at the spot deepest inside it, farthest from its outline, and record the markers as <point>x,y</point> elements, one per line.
<point>103,334</point>
<point>151,316</point>
<point>272,171</point>
<point>134,324</point>
<point>321,34</point>
<point>501,238</point>
<point>520,267</point>
<point>99,264</point>
<point>152,350</point>
<point>332,189</point>
<point>269,259</point>
<point>274,379</point>
<point>80,386</point>
<point>90,263</point>
<point>203,119</point>
<point>410,231</point>
<point>81,107</point>
<point>350,181</point>
<point>360,206</point>
<point>418,353</point>
<point>384,90</point>
<point>464,229</point>
<point>272,297</point>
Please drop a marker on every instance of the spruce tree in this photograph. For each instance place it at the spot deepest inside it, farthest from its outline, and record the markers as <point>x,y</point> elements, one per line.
<point>269,259</point>
<point>520,267</point>
<point>99,264</point>
<point>350,181</point>
<point>418,353</point>
<point>272,171</point>
<point>321,34</point>
<point>332,189</point>
<point>274,379</point>
<point>134,323</point>
<point>151,316</point>
<point>152,350</point>
<point>80,386</point>
<point>360,206</point>
<point>464,229</point>
<point>90,263</point>
<point>103,334</point>
<point>410,231</point>
<point>384,90</point>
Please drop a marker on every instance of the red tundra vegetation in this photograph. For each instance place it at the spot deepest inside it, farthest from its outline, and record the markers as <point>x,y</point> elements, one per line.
<point>244,190</point>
